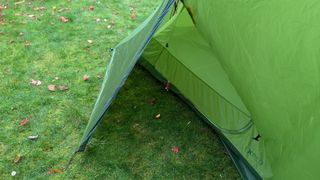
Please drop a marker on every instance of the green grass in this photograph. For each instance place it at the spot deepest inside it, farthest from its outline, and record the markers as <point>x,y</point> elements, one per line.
<point>130,143</point>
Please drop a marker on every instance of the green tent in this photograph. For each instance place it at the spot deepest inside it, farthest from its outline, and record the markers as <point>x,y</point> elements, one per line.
<point>250,68</point>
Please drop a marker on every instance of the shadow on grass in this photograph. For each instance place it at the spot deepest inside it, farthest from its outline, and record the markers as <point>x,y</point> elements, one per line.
<point>131,143</point>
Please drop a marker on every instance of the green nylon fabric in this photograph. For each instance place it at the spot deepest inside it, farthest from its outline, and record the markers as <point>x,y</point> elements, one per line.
<point>118,68</point>
<point>184,58</point>
<point>270,52</point>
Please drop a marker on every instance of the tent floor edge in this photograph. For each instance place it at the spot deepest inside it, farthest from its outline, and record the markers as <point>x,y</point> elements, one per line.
<point>243,167</point>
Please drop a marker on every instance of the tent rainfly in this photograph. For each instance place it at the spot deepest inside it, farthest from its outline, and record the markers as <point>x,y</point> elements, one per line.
<point>253,73</point>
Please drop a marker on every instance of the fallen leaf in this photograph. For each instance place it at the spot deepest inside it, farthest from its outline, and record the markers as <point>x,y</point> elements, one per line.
<point>98,20</point>
<point>109,26</point>
<point>24,122</point>
<point>158,116</point>
<point>17,159</point>
<point>34,137</point>
<point>85,78</point>
<point>35,82</point>
<point>99,76</point>
<point>52,87</point>
<point>27,44</point>
<point>12,41</point>
<point>13,173</point>
<point>63,19</point>
<point>39,9</point>
<point>18,3</point>
<point>54,171</point>
<point>133,16</point>
<point>21,34</point>
<point>64,88</point>
<point>90,41</point>
<point>2,8</point>
<point>175,149</point>
<point>91,8</point>
<point>63,9</point>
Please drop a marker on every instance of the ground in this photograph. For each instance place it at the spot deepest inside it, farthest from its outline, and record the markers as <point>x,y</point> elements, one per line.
<point>58,43</point>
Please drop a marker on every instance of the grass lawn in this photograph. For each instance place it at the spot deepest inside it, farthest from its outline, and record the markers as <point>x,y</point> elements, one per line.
<point>58,42</point>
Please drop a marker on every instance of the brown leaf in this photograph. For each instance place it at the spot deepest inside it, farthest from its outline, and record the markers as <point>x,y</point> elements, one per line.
<point>175,149</point>
<point>24,122</point>
<point>2,8</point>
<point>12,41</point>
<point>52,87</point>
<point>133,16</point>
<point>63,19</point>
<point>91,8</point>
<point>54,171</point>
<point>17,159</point>
<point>85,78</point>
<point>64,88</point>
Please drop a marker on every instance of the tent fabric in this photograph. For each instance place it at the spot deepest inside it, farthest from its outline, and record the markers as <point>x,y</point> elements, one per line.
<point>250,68</point>
<point>124,57</point>
<point>178,52</point>
<point>270,52</point>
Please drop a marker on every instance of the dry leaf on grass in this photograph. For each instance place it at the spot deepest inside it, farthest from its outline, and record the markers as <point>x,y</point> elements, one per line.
<point>175,149</point>
<point>27,44</point>
<point>33,137</point>
<point>52,87</point>
<point>54,171</point>
<point>63,19</point>
<point>35,82</point>
<point>158,116</point>
<point>39,9</point>
<point>85,78</point>
<point>17,159</point>
<point>18,3</point>
<point>91,8</point>
<point>64,88</point>
<point>24,122</point>
<point>133,16</point>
